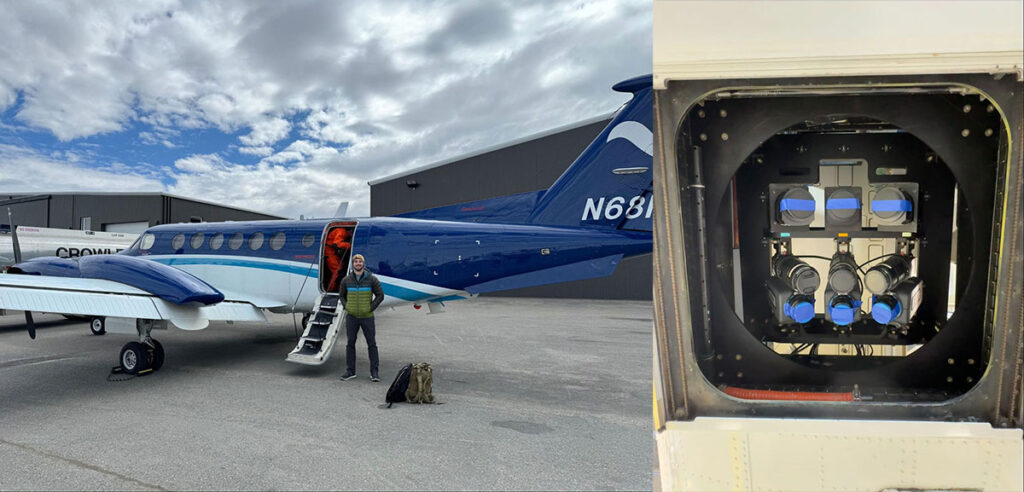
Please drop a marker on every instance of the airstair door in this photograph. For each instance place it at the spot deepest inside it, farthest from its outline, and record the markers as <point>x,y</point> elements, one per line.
<point>321,332</point>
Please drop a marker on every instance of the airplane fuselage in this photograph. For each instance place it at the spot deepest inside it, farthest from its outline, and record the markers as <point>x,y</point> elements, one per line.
<point>279,265</point>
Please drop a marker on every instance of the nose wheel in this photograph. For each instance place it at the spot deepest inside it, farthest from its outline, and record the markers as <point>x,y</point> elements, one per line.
<point>138,357</point>
<point>97,326</point>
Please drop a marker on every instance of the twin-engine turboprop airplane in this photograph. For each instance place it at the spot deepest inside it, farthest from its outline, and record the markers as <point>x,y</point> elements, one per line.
<point>597,213</point>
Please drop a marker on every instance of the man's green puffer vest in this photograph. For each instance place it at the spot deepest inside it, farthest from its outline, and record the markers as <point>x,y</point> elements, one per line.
<point>361,295</point>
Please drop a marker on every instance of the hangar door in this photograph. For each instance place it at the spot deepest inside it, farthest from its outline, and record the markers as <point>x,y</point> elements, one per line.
<point>127,227</point>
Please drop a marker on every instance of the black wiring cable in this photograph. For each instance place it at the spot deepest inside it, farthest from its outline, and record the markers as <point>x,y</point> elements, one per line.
<point>799,348</point>
<point>816,257</point>
<point>876,259</point>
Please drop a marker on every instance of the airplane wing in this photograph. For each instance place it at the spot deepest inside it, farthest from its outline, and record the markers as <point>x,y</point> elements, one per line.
<point>160,293</point>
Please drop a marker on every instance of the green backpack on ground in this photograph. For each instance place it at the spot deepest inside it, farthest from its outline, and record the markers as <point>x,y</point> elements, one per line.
<point>420,380</point>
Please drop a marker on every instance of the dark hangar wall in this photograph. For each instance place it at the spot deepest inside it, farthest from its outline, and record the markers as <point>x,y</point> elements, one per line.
<point>524,166</point>
<point>65,210</point>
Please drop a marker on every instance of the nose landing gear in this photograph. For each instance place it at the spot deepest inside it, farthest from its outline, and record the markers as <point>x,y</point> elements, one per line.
<point>97,326</point>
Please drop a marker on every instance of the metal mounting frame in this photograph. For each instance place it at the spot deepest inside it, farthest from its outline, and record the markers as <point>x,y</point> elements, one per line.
<point>684,321</point>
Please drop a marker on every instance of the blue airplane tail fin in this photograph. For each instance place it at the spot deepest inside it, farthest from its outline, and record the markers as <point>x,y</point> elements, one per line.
<point>609,185</point>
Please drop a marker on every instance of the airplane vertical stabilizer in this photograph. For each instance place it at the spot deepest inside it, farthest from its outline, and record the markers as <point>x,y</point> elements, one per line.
<point>609,184</point>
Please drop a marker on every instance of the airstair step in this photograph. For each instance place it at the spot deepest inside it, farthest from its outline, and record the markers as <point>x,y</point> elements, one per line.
<point>329,303</point>
<point>318,332</point>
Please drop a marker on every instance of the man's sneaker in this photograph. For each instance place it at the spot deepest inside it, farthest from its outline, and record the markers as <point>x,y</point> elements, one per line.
<point>348,375</point>
<point>374,378</point>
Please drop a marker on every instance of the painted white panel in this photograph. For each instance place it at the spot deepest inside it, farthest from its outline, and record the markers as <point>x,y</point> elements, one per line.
<point>744,454</point>
<point>747,39</point>
<point>127,227</point>
<point>81,303</point>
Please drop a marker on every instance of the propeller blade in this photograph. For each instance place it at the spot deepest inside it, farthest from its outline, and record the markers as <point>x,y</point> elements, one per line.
<point>31,325</point>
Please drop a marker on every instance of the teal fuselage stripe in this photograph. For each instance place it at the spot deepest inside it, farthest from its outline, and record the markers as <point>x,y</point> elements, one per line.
<point>263,265</point>
<point>403,293</point>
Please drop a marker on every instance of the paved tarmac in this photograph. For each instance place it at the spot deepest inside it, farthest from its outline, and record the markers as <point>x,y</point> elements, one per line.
<point>535,394</point>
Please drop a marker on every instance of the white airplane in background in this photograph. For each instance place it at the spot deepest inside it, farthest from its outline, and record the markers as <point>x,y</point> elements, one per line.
<point>36,242</point>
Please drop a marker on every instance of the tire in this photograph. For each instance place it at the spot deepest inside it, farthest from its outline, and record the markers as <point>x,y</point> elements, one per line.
<point>156,355</point>
<point>98,326</point>
<point>305,320</point>
<point>134,358</point>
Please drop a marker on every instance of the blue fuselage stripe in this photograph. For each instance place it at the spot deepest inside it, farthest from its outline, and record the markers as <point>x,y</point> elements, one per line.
<point>264,265</point>
<point>403,293</point>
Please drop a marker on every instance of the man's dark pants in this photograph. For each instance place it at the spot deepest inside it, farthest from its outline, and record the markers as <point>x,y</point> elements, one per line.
<point>352,325</point>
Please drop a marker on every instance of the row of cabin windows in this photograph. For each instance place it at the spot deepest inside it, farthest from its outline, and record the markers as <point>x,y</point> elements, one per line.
<point>256,239</point>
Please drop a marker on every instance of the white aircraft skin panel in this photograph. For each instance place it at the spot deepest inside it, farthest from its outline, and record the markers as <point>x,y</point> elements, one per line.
<point>267,283</point>
<point>81,303</point>
<point>233,311</point>
<point>193,318</point>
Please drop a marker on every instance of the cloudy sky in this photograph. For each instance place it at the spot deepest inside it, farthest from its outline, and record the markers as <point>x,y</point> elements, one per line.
<point>291,107</point>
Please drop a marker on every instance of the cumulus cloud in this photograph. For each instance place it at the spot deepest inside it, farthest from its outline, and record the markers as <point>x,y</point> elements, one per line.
<point>266,132</point>
<point>327,95</point>
<point>24,170</point>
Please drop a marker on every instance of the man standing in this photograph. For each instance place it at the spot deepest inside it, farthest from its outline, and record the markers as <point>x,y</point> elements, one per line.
<point>360,295</point>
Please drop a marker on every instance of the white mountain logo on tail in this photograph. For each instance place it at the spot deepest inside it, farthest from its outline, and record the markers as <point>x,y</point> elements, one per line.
<point>635,133</point>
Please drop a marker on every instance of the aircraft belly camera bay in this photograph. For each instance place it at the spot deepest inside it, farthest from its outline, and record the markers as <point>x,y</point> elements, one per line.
<point>597,213</point>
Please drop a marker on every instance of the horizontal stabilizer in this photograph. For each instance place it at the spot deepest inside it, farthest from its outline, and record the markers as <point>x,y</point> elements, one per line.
<point>598,267</point>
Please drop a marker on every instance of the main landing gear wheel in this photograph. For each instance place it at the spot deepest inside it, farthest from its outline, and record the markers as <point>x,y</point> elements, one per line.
<point>305,319</point>
<point>98,326</point>
<point>134,358</point>
<point>156,355</point>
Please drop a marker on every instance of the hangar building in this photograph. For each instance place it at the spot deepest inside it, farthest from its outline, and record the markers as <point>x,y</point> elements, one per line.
<point>527,164</point>
<point>114,212</point>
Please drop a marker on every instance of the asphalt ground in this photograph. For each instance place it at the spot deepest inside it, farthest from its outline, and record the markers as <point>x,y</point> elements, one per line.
<point>533,394</point>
